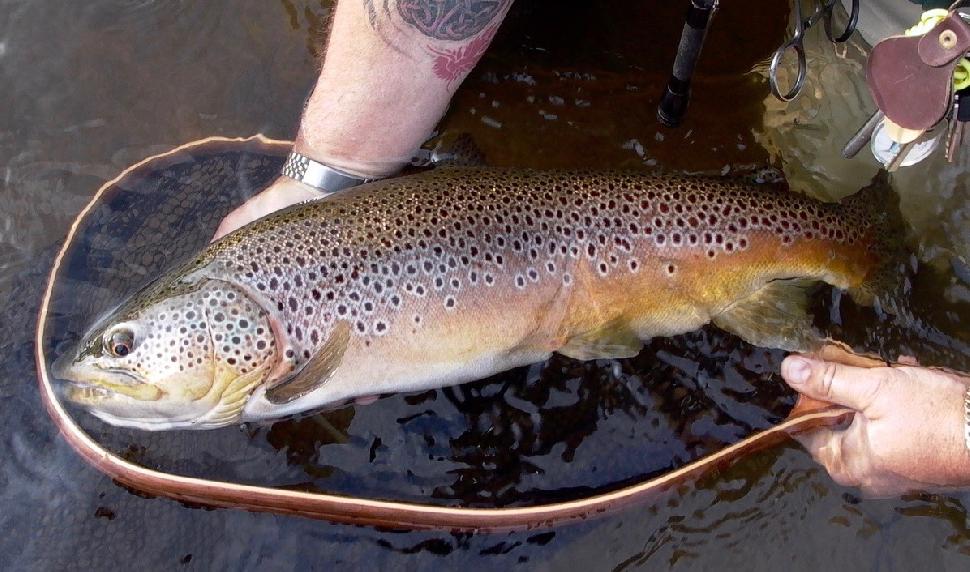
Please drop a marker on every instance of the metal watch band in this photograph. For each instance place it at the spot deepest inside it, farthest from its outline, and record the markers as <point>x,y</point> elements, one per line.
<point>317,175</point>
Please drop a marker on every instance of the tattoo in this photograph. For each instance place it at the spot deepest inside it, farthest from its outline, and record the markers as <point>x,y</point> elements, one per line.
<point>377,16</point>
<point>451,20</point>
<point>471,24</point>
<point>451,64</point>
<point>371,13</point>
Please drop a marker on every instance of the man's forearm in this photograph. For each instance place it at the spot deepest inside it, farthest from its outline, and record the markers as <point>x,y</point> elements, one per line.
<point>390,69</point>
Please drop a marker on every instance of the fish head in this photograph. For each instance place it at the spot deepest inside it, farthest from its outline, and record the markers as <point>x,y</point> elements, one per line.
<point>178,355</point>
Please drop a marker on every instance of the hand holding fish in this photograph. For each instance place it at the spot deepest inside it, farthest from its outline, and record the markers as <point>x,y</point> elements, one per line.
<point>283,192</point>
<point>907,434</point>
<point>388,76</point>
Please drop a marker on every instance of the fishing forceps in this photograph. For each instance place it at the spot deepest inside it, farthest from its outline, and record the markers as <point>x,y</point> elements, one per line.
<point>823,11</point>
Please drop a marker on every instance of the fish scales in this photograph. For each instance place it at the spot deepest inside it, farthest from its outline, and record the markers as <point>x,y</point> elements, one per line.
<point>455,274</point>
<point>494,258</point>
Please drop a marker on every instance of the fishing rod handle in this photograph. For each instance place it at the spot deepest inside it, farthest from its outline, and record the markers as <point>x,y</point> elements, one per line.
<point>676,96</point>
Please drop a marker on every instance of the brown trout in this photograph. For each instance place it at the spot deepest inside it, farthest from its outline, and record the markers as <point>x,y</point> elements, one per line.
<point>456,274</point>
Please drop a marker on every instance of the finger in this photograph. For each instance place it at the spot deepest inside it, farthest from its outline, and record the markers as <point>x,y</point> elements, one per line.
<point>907,360</point>
<point>853,387</point>
<point>826,447</point>
<point>236,218</point>
<point>281,193</point>
<point>229,224</point>
<point>225,227</point>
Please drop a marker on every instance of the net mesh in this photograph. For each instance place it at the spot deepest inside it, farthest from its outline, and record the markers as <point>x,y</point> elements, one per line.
<point>551,431</point>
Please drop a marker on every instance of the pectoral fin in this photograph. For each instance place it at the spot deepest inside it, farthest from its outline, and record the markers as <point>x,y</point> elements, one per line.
<point>315,372</point>
<point>613,342</point>
<point>775,316</point>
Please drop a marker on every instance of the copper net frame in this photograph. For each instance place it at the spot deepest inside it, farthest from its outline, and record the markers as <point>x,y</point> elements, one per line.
<point>381,513</point>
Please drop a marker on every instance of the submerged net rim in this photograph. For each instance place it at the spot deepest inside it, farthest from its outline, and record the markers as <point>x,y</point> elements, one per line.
<point>353,510</point>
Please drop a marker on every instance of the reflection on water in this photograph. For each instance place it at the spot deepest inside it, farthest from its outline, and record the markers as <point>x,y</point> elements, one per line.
<point>92,87</point>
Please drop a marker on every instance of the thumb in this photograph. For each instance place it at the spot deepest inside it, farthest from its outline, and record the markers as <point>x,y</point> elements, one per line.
<point>853,387</point>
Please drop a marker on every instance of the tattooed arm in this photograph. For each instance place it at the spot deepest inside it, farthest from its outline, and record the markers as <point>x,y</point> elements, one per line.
<point>390,69</point>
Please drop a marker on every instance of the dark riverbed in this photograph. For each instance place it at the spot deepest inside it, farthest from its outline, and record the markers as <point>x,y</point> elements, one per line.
<point>90,88</point>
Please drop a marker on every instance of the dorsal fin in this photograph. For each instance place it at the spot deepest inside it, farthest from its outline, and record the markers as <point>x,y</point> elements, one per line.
<point>774,316</point>
<point>315,372</point>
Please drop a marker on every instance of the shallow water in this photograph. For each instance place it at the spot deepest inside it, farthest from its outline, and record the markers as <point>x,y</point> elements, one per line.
<point>93,87</point>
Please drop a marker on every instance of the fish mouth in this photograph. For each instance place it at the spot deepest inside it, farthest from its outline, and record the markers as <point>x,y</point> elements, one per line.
<point>91,392</point>
<point>86,384</point>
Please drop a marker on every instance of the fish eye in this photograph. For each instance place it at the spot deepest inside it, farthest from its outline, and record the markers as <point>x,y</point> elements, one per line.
<point>120,342</point>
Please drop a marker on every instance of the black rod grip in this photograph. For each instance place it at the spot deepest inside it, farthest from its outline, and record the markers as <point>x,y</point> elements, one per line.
<point>676,96</point>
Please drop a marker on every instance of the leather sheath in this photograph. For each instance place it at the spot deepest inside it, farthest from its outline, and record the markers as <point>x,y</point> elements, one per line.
<point>911,77</point>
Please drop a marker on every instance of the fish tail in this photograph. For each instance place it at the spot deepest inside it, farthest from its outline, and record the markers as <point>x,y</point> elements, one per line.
<point>877,207</point>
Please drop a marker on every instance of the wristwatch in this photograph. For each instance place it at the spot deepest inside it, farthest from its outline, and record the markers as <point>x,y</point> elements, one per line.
<point>301,168</point>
